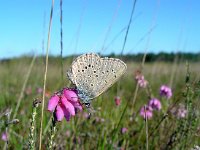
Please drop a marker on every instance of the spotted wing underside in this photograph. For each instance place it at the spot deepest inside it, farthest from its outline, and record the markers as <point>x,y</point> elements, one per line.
<point>93,75</point>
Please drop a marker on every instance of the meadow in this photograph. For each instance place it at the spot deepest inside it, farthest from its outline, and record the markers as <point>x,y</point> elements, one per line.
<point>114,124</point>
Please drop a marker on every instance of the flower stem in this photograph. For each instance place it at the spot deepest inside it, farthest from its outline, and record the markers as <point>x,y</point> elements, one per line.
<point>31,141</point>
<point>45,76</point>
<point>52,132</point>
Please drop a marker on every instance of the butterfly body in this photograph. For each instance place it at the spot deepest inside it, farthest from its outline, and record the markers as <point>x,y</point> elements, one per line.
<point>93,75</point>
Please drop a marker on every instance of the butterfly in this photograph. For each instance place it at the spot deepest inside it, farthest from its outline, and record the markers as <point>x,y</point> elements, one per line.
<point>93,75</point>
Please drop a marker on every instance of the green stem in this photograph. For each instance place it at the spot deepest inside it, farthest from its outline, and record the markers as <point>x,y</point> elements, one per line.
<point>31,141</point>
<point>52,132</point>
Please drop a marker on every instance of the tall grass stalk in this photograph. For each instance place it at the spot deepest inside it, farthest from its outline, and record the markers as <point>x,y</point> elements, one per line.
<point>146,130</point>
<point>52,132</point>
<point>61,41</point>
<point>22,92</point>
<point>144,57</point>
<point>8,113</point>
<point>125,108</point>
<point>110,25</point>
<point>79,27</point>
<point>31,141</point>
<point>24,86</point>
<point>130,20</point>
<point>45,75</point>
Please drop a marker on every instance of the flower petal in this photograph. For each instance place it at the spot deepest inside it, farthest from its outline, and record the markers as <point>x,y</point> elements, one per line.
<point>70,95</point>
<point>66,113</point>
<point>77,105</point>
<point>68,105</point>
<point>59,113</point>
<point>53,102</point>
<point>4,136</point>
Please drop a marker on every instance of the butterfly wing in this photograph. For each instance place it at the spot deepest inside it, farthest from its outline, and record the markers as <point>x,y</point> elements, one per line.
<point>93,75</point>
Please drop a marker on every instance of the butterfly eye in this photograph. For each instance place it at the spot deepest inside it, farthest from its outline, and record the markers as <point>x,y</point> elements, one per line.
<point>95,71</point>
<point>85,67</point>
<point>89,65</point>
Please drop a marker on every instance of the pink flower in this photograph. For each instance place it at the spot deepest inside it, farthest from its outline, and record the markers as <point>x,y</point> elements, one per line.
<point>39,90</point>
<point>182,112</point>
<point>179,111</point>
<point>117,101</point>
<point>65,104</point>
<point>155,104</point>
<point>142,83</point>
<point>140,79</point>
<point>166,91</point>
<point>4,137</point>
<point>124,130</point>
<point>146,111</point>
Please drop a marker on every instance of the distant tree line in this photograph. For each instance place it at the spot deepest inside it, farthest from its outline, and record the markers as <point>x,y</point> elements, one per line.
<point>167,57</point>
<point>150,57</point>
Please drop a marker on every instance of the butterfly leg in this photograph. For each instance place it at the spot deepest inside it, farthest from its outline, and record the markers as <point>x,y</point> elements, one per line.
<point>90,109</point>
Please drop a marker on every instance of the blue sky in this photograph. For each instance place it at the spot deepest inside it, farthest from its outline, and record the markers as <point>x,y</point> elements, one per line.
<point>86,24</point>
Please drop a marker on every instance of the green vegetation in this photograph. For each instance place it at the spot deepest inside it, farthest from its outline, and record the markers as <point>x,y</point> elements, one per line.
<point>165,129</point>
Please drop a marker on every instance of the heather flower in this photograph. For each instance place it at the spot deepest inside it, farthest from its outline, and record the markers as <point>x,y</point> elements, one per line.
<point>99,120</point>
<point>4,137</point>
<point>124,130</point>
<point>165,91</point>
<point>146,112</point>
<point>142,83</point>
<point>117,101</point>
<point>39,90</point>
<point>65,104</point>
<point>140,79</point>
<point>181,113</point>
<point>155,104</point>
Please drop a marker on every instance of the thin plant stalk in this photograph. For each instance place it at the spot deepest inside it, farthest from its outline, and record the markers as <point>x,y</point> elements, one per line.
<point>125,108</point>
<point>24,86</point>
<point>130,20</point>
<point>157,126</point>
<point>22,91</point>
<point>110,25</point>
<point>7,130</point>
<point>118,34</point>
<point>79,27</point>
<point>45,76</point>
<point>52,132</point>
<point>142,38</point>
<point>31,141</point>
<point>146,129</point>
<point>61,41</point>
<point>143,60</point>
